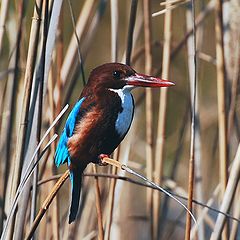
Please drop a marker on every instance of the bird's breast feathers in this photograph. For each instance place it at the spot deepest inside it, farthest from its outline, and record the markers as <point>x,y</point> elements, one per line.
<point>125,116</point>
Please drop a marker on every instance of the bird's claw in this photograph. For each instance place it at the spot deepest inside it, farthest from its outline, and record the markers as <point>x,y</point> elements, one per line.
<point>101,161</point>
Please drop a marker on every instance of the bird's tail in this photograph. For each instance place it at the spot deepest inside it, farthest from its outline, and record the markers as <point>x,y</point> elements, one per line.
<point>76,180</point>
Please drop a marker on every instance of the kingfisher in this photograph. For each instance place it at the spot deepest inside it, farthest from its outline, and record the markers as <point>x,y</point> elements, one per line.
<point>99,121</point>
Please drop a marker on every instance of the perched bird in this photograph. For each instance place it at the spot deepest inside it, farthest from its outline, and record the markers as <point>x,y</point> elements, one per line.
<point>99,120</point>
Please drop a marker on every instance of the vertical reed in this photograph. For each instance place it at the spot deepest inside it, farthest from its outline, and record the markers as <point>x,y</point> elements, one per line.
<point>3,16</point>
<point>221,93</point>
<point>162,112</point>
<point>193,128</point>
<point>114,57</point>
<point>98,206</point>
<point>197,147</point>
<point>228,196</point>
<point>149,111</point>
<point>132,20</point>
<point>30,66</point>
<point>121,209</point>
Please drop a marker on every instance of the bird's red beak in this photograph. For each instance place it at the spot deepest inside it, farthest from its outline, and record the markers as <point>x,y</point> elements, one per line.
<point>142,80</point>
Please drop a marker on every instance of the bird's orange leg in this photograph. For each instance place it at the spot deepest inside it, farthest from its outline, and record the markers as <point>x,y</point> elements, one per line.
<point>101,157</point>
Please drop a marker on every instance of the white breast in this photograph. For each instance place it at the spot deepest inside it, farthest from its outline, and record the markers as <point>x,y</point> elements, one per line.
<point>125,117</point>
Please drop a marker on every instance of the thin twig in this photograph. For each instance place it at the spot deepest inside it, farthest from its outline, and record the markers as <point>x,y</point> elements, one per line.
<point>127,179</point>
<point>78,42</point>
<point>199,20</point>
<point>70,64</point>
<point>169,8</point>
<point>129,170</point>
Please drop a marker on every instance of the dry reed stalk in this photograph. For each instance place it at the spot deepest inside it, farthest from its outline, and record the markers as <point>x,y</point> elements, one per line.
<point>204,211</point>
<point>228,196</point>
<point>2,97</point>
<point>235,76</point>
<point>141,50</point>
<point>132,21</point>
<point>35,123</point>
<point>7,123</point>
<point>31,59</point>
<point>176,161</point>
<point>23,184</point>
<point>39,107</point>
<point>48,168</point>
<point>80,226</point>
<point>162,112</point>
<point>3,16</point>
<point>46,204</point>
<point>78,43</point>
<point>136,35</point>
<point>131,40</point>
<point>236,213</point>
<point>149,114</point>
<point>209,221</point>
<point>69,63</point>
<point>111,197</point>
<point>23,212</point>
<point>85,46</point>
<point>29,171</point>
<point>206,57</point>
<point>114,54</point>
<point>55,110</point>
<point>98,206</point>
<point>148,182</point>
<point>169,7</point>
<point>59,63</point>
<point>90,236</point>
<point>197,147</point>
<point>193,127</point>
<point>13,84</point>
<point>114,30</point>
<point>199,20</point>
<point>55,11</point>
<point>221,94</point>
<point>175,190</point>
<point>55,208</point>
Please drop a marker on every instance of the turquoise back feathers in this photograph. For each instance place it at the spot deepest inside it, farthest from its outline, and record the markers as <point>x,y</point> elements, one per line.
<point>62,155</point>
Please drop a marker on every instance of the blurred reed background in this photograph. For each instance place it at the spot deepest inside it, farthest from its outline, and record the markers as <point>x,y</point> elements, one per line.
<point>43,66</point>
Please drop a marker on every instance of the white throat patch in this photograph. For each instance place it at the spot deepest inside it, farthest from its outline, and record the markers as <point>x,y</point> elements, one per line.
<point>125,117</point>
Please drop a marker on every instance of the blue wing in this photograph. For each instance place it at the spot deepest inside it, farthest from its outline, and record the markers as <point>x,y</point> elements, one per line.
<point>62,154</point>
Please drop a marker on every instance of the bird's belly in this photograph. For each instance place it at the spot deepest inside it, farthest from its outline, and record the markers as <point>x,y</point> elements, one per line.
<point>125,117</point>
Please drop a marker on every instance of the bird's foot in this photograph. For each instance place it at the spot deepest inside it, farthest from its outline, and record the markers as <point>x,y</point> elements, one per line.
<point>101,161</point>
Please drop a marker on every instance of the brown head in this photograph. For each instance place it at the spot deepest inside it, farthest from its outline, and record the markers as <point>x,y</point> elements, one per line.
<point>117,76</point>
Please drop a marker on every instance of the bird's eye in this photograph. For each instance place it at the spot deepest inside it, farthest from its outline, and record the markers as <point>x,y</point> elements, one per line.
<point>116,74</point>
